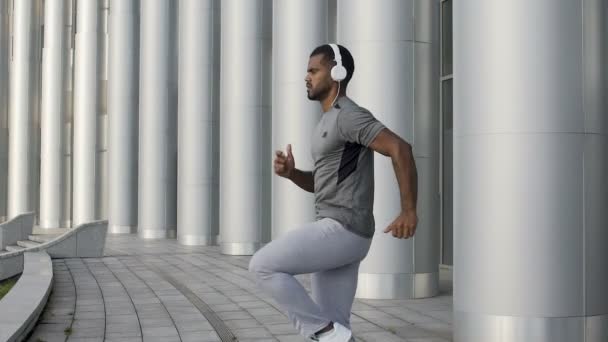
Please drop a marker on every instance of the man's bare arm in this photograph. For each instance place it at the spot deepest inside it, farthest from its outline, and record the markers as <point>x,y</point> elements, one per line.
<point>285,166</point>
<point>389,144</point>
<point>303,179</point>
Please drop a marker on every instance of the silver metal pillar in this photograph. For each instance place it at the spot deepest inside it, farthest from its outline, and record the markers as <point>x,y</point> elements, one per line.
<point>197,202</point>
<point>85,112</point>
<point>245,156</point>
<point>157,123</point>
<point>52,117</point>
<point>530,165</point>
<point>68,87</point>
<point>123,94</point>
<point>299,27</point>
<point>4,89</point>
<point>21,109</point>
<point>101,173</point>
<point>401,60</point>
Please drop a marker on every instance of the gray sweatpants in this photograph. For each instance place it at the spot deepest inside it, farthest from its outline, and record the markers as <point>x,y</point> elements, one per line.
<point>327,250</point>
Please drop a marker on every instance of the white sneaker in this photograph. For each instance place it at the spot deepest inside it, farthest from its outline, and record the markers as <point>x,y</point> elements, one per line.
<point>339,333</point>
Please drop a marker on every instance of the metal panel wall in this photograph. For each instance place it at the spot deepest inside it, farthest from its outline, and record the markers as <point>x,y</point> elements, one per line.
<point>245,114</point>
<point>398,51</point>
<point>86,85</point>
<point>157,201</point>
<point>52,115</point>
<point>529,171</point>
<point>123,95</point>
<point>197,205</point>
<point>294,115</point>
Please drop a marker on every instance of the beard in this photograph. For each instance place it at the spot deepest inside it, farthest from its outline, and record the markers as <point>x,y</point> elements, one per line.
<point>317,95</point>
<point>311,95</point>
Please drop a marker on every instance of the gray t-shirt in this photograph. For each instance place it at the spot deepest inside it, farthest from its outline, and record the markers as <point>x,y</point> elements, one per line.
<point>344,166</point>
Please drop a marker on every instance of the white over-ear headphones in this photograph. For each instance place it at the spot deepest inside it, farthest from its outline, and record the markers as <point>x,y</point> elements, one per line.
<point>338,71</point>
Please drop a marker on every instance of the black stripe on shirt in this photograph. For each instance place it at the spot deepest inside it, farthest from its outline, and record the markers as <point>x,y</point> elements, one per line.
<point>348,162</point>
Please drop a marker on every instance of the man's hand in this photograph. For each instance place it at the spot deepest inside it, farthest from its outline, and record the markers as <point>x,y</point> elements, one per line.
<point>404,226</point>
<point>284,164</point>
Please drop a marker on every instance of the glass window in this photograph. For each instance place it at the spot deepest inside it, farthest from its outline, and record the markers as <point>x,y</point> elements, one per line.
<point>446,37</point>
<point>447,104</point>
<point>447,155</point>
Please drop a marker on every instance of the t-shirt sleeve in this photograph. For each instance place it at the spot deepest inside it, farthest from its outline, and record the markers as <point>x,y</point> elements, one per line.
<point>359,127</point>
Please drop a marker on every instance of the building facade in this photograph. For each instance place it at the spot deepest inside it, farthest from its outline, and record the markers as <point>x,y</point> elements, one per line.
<point>162,117</point>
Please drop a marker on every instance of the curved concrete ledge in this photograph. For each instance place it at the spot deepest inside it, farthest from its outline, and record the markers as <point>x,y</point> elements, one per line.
<point>86,240</point>
<point>15,229</point>
<point>22,305</point>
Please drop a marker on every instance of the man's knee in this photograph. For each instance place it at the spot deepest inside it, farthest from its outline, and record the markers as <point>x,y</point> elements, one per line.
<point>256,264</point>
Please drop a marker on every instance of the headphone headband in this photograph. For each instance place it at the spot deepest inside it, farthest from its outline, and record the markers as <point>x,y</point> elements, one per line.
<point>338,72</point>
<point>337,55</point>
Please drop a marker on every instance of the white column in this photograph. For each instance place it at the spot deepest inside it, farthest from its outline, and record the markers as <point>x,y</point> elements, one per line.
<point>299,26</point>
<point>21,139</point>
<point>245,154</point>
<point>123,92</point>
<point>52,115</point>
<point>4,88</point>
<point>101,173</point>
<point>85,112</point>
<point>157,122</point>
<point>394,44</point>
<point>530,166</point>
<point>68,87</point>
<point>197,202</point>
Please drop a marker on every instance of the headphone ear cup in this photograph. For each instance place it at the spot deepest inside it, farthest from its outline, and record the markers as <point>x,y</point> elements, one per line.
<point>338,73</point>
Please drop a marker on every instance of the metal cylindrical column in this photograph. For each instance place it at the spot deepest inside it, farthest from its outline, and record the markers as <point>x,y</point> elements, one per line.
<point>4,88</point>
<point>21,110</point>
<point>101,199</point>
<point>401,59</point>
<point>157,123</point>
<point>294,115</point>
<point>68,105</point>
<point>245,156</point>
<point>123,93</point>
<point>530,165</point>
<point>52,116</point>
<point>85,113</point>
<point>197,205</point>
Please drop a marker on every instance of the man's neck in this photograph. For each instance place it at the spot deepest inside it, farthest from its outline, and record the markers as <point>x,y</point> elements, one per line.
<point>329,101</point>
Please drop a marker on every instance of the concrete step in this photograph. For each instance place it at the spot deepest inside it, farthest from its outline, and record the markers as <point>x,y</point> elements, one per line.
<point>43,231</point>
<point>13,248</point>
<point>27,243</point>
<point>42,238</point>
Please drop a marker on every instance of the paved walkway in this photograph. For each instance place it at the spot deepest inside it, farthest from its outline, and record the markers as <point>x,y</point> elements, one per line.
<point>159,290</point>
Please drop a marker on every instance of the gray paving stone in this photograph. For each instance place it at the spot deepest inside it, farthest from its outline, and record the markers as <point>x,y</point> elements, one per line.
<point>191,326</point>
<point>291,338</point>
<point>251,333</point>
<point>409,315</point>
<point>205,336</point>
<point>257,312</point>
<point>281,329</point>
<point>242,324</point>
<point>380,337</point>
<point>233,315</point>
<point>382,319</point>
<point>123,289</point>
<point>257,304</point>
<point>428,339</point>
<point>160,331</point>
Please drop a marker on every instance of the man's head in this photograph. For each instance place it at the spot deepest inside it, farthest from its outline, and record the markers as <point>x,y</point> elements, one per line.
<point>318,77</point>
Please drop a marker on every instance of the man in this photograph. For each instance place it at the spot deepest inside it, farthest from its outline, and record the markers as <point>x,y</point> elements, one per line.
<point>332,247</point>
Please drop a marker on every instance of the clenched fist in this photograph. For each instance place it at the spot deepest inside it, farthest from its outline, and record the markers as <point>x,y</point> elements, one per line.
<point>284,164</point>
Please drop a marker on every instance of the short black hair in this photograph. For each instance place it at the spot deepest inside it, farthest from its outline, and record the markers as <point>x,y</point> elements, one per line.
<point>347,59</point>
